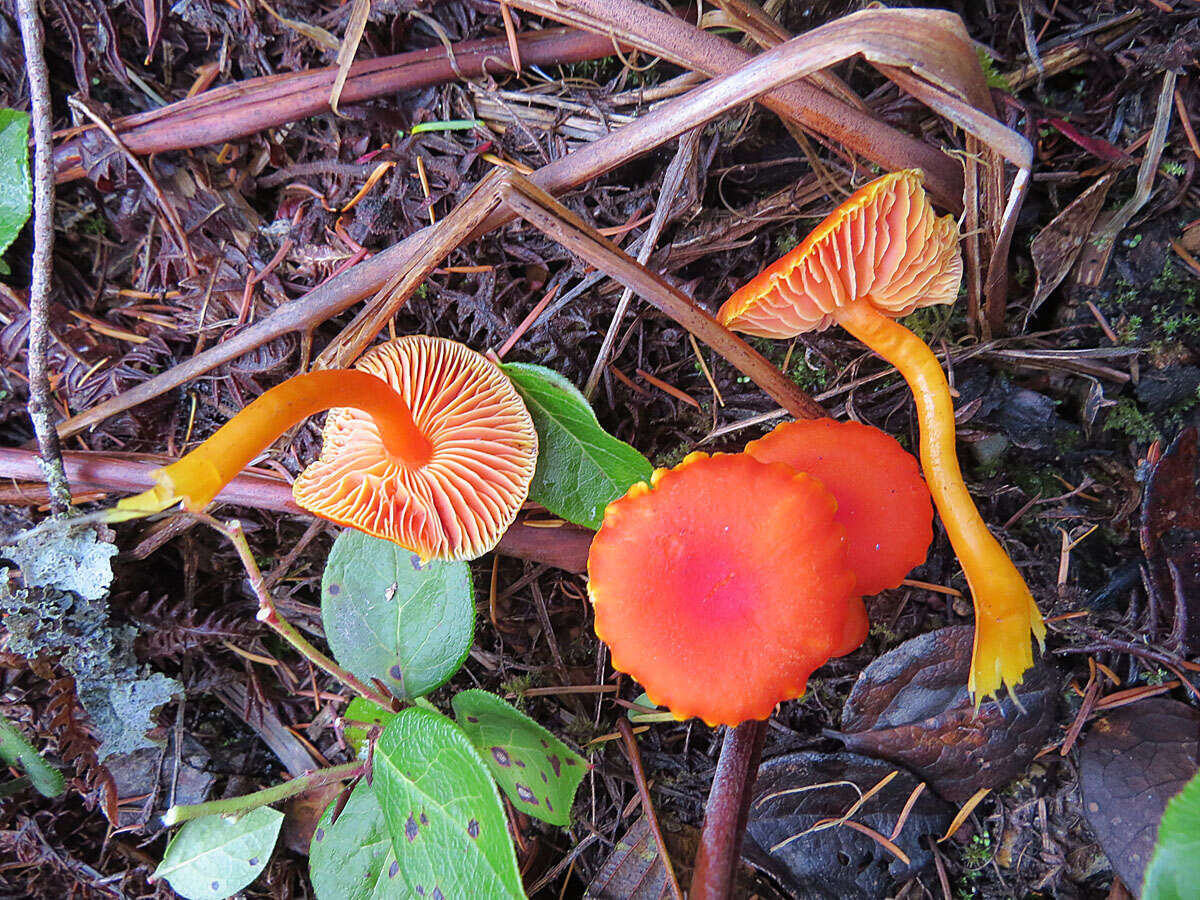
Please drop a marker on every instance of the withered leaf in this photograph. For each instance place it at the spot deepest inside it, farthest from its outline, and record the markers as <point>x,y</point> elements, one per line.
<point>633,871</point>
<point>910,706</point>
<point>797,790</point>
<point>1132,762</point>
<point>1171,535</point>
<point>1057,245</point>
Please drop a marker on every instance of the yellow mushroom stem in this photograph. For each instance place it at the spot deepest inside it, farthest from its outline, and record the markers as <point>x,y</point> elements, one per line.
<point>1005,611</point>
<point>199,476</point>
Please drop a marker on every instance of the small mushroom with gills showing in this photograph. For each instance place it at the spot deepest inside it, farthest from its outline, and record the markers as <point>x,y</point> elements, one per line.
<point>878,256</point>
<point>722,585</point>
<point>428,445</point>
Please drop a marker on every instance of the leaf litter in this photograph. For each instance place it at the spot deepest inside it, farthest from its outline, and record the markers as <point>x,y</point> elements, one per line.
<point>243,202</point>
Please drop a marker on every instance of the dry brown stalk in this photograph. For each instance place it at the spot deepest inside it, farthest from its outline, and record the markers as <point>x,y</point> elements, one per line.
<point>673,39</point>
<point>234,111</point>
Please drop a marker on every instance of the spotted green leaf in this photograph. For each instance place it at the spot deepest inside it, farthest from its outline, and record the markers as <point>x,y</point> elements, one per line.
<point>389,616</point>
<point>443,812</point>
<point>352,858</point>
<point>581,468</point>
<point>214,857</point>
<point>537,771</point>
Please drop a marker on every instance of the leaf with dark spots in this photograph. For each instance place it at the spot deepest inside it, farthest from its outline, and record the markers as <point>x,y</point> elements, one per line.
<point>351,856</point>
<point>520,752</point>
<point>409,627</point>
<point>796,791</point>
<point>911,707</point>
<point>432,783</point>
<point>1171,536</point>
<point>1131,762</point>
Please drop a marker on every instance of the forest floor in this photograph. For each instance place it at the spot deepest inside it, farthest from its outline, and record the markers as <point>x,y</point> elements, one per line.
<point>1073,423</point>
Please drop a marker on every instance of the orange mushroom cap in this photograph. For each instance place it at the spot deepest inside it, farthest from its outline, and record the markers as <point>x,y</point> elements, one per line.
<point>721,585</point>
<point>882,500</point>
<point>483,449</point>
<point>883,244</point>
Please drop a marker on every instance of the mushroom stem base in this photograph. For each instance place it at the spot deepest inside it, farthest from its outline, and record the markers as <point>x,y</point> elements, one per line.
<point>1005,612</point>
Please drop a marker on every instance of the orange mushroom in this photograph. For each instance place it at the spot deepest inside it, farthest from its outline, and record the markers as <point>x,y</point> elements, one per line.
<point>880,255</point>
<point>888,516</point>
<point>719,601</point>
<point>428,445</point>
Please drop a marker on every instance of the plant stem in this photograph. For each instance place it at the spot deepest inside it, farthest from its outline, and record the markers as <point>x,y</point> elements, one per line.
<point>239,806</point>
<point>643,786</point>
<point>268,614</point>
<point>726,813</point>
<point>41,397</point>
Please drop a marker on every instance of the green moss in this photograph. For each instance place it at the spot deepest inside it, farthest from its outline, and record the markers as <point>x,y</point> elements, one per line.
<point>809,376</point>
<point>934,321</point>
<point>673,457</point>
<point>1127,418</point>
<point>978,853</point>
<point>786,240</point>
<point>518,685</point>
<point>995,78</point>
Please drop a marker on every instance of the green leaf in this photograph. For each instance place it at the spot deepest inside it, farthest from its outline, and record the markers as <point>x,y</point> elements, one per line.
<point>388,616</point>
<point>352,859</point>
<point>539,772</point>
<point>16,751</point>
<point>581,468</point>
<point>16,194</point>
<point>361,714</point>
<point>647,713</point>
<point>443,812</point>
<point>215,857</point>
<point>1174,870</point>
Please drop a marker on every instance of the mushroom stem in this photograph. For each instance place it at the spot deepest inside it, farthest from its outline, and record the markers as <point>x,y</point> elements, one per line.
<point>1005,612</point>
<point>199,476</point>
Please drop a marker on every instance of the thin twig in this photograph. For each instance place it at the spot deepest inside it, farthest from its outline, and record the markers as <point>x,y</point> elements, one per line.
<point>639,777</point>
<point>41,400</point>
<point>269,615</point>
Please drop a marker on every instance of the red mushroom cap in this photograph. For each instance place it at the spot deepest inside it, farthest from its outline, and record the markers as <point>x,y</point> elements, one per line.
<point>721,585</point>
<point>458,503</point>
<point>883,502</point>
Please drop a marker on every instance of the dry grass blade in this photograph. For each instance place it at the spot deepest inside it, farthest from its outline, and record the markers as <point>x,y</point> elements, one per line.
<point>672,181</point>
<point>878,838</point>
<point>350,40</point>
<point>902,820</point>
<point>1096,254</point>
<point>966,810</point>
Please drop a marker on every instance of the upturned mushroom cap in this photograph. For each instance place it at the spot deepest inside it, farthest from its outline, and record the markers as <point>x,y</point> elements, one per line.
<point>721,585</point>
<point>882,501</point>
<point>483,451</point>
<point>884,244</point>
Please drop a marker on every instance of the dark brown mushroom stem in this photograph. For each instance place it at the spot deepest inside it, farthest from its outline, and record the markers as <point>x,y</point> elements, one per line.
<point>727,811</point>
